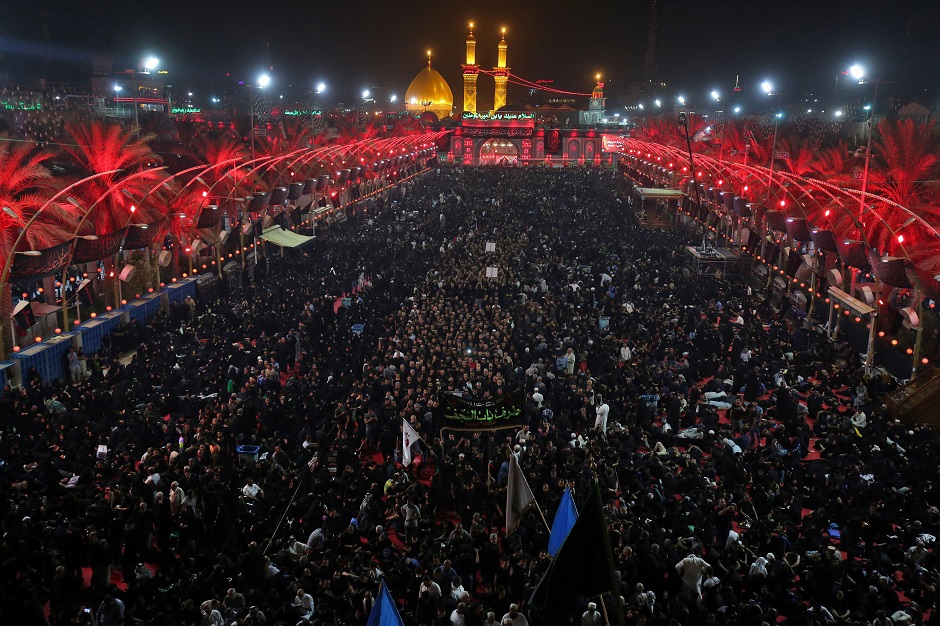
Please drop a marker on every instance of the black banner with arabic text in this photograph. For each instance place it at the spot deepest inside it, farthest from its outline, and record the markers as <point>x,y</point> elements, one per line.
<point>465,414</point>
<point>49,262</point>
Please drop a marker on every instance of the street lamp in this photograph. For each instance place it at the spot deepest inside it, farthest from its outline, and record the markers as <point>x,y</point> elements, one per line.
<point>150,64</point>
<point>768,88</point>
<point>263,81</point>
<point>319,89</point>
<point>681,100</point>
<point>658,102</point>
<point>859,73</point>
<point>715,95</point>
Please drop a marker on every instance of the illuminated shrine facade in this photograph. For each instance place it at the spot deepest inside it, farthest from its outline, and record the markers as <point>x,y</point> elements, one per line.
<point>514,139</point>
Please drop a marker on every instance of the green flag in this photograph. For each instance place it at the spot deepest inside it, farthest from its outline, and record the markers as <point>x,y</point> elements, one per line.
<point>584,567</point>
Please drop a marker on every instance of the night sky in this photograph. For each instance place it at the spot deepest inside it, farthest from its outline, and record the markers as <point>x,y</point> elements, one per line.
<point>798,44</point>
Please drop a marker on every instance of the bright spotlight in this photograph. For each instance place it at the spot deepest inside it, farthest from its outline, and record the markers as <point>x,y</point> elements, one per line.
<point>264,80</point>
<point>857,72</point>
<point>767,86</point>
<point>151,63</point>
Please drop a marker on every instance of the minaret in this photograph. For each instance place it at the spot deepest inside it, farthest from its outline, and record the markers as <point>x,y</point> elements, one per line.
<point>470,73</point>
<point>500,75</point>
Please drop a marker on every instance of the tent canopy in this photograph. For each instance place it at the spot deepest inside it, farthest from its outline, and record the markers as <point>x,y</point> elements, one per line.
<point>285,238</point>
<point>658,194</point>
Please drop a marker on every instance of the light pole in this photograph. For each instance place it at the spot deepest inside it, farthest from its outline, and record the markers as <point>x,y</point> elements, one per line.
<point>321,87</point>
<point>263,81</point>
<point>720,114</point>
<point>150,64</point>
<point>857,72</point>
<point>684,122</point>
<point>768,87</point>
<point>391,100</point>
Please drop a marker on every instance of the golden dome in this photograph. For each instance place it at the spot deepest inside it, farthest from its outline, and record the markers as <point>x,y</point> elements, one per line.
<point>427,86</point>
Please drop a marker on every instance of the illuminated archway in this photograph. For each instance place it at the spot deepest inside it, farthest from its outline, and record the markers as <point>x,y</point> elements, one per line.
<point>498,151</point>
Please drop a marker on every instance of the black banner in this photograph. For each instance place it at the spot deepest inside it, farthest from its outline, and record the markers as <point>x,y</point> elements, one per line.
<point>463,414</point>
<point>138,237</point>
<point>553,141</point>
<point>209,216</point>
<point>97,249</point>
<point>50,262</point>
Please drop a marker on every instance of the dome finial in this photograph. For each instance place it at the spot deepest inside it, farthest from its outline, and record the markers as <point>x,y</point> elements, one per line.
<point>429,59</point>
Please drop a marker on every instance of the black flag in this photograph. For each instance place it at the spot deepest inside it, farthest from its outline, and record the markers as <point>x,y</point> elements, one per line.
<point>583,568</point>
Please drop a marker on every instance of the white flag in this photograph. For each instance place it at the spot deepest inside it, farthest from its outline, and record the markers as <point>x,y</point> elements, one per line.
<point>409,436</point>
<point>518,496</point>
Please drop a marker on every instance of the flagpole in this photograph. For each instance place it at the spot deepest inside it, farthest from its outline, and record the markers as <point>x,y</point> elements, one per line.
<point>604,610</point>
<point>535,502</point>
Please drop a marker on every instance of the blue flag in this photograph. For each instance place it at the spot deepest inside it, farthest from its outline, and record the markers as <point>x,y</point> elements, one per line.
<point>564,519</point>
<point>384,611</point>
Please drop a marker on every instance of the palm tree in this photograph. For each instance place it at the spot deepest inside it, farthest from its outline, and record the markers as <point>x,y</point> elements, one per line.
<point>26,185</point>
<point>908,151</point>
<point>800,153</point>
<point>97,147</point>
<point>100,147</point>
<point>834,165</point>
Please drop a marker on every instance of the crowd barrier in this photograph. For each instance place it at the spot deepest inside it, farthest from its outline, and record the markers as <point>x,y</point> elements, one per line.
<point>49,355</point>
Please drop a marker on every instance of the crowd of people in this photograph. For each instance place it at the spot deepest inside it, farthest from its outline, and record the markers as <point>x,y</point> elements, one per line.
<point>244,467</point>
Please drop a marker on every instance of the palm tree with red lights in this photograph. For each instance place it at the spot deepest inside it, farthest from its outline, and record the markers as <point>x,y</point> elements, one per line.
<point>26,187</point>
<point>96,148</point>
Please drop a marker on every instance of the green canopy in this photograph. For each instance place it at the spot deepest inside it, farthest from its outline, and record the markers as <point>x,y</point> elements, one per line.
<point>285,238</point>
<point>658,194</point>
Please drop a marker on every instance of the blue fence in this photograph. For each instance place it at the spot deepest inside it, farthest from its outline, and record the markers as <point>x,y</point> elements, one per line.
<point>94,330</point>
<point>143,309</point>
<point>5,373</point>
<point>178,291</point>
<point>47,357</point>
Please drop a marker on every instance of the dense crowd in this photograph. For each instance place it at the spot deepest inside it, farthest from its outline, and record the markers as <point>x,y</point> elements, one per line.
<point>750,472</point>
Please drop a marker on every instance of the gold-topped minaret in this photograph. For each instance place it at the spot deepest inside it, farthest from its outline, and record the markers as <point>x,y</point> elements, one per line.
<point>500,75</point>
<point>470,73</point>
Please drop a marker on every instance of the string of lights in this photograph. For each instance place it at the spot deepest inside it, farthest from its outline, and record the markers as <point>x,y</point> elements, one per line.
<point>530,85</point>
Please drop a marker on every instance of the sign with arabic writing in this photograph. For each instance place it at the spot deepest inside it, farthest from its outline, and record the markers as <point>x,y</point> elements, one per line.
<point>466,414</point>
<point>498,116</point>
<point>496,132</point>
